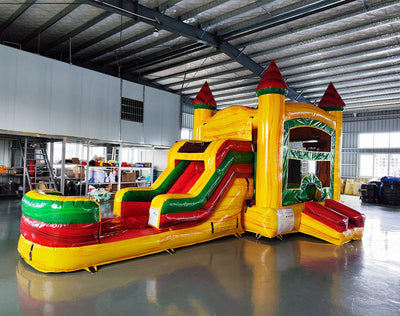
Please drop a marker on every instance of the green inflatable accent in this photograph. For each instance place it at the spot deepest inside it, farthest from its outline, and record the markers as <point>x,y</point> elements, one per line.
<point>147,196</point>
<point>292,195</point>
<point>272,91</point>
<point>204,106</point>
<point>197,202</point>
<point>310,188</point>
<point>333,108</point>
<point>60,212</point>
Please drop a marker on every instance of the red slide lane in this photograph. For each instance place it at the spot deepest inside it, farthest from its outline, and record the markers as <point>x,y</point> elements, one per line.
<point>327,216</point>
<point>335,215</point>
<point>356,218</point>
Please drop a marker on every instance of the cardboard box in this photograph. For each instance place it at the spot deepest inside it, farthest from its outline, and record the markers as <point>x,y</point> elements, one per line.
<point>342,185</point>
<point>348,189</point>
<point>356,188</point>
<point>130,177</point>
<point>79,172</point>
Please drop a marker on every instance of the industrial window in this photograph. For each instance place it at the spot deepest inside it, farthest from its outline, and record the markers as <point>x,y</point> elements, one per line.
<point>131,110</point>
<point>379,140</point>
<point>379,165</point>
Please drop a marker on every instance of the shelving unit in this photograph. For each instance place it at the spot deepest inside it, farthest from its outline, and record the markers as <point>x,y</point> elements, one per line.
<point>10,182</point>
<point>101,177</point>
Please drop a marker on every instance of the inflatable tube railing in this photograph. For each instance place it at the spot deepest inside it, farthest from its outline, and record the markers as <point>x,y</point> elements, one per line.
<point>50,219</point>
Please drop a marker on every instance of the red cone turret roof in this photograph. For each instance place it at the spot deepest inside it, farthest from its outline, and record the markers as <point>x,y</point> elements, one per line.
<point>331,100</point>
<point>205,99</point>
<point>272,81</point>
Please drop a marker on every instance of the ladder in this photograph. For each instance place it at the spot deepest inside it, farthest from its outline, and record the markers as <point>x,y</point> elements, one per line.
<point>37,170</point>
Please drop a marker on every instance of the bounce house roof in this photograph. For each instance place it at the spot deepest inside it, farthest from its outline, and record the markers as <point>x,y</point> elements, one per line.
<point>272,81</point>
<point>205,98</point>
<point>331,100</point>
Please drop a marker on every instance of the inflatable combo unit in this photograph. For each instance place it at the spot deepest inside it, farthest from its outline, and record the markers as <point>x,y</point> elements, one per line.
<point>272,170</point>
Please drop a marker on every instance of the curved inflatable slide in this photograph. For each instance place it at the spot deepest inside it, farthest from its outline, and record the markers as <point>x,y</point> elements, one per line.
<point>199,197</point>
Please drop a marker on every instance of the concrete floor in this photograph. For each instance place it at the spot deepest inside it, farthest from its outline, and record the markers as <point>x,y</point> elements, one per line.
<point>297,276</point>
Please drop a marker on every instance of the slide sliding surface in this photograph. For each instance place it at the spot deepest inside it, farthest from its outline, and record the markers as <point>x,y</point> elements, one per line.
<point>168,209</point>
<point>333,222</point>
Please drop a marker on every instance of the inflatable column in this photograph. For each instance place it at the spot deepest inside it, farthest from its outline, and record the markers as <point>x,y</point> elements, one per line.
<point>271,93</point>
<point>204,106</point>
<point>333,103</point>
<point>263,217</point>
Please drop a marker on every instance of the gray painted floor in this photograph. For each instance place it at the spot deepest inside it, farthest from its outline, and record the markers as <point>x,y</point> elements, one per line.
<point>297,276</point>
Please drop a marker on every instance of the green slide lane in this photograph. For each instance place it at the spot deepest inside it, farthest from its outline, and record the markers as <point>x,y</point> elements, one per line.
<point>197,202</point>
<point>148,195</point>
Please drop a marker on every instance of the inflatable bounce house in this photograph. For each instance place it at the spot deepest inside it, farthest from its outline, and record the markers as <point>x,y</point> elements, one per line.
<point>273,170</point>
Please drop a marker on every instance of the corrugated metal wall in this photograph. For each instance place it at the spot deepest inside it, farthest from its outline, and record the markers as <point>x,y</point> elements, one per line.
<point>368,122</point>
<point>42,95</point>
<point>187,113</point>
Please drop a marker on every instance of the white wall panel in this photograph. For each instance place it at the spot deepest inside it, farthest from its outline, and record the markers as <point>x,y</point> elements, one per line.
<point>65,112</point>
<point>132,90</point>
<point>8,69</point>
<point>132,132</point>
<point>161,117</point>
<point>100,105</point>
<point>41,95</point>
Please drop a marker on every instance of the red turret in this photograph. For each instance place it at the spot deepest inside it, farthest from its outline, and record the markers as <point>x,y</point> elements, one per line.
<point>331,100</point>
<point>272,81</point>
<point>205,99</point>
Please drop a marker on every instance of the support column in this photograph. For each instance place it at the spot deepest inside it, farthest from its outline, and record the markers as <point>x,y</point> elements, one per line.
<point>271,93</point>
<point>269,150</point>
<point>263,217</point>
<point>62,183</point>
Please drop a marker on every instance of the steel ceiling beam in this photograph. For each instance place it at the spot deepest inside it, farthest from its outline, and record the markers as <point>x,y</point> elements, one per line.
<point>166,55</point>
<point>286,17</point>
<point>127,53</point>
<point>25,6</point>
<point>77,31</point>
<point>351,34</point>
<point>103,36</point>
<point>158,19</point>
<point>163,40</point>
<point>168,52</point>
<point>118,45</point>
<point>209,6</point>
<point>335,50</point>
<point>233,13</point>
<point>35,33</point>
<point>323,53</point>
<point>162,57</point>
<point>119,28</point>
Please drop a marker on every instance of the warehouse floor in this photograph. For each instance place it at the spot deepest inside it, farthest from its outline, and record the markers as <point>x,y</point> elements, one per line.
<point>299,275</point>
